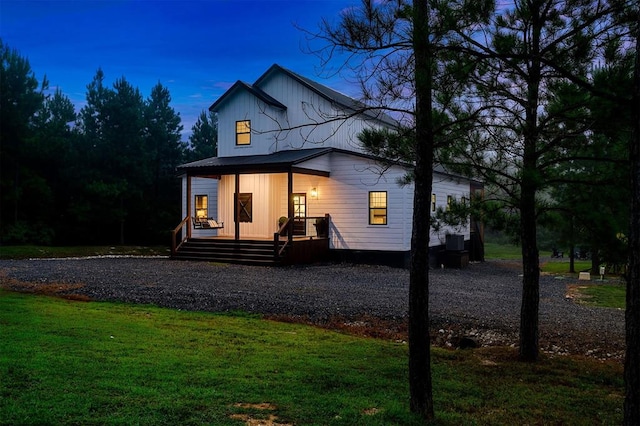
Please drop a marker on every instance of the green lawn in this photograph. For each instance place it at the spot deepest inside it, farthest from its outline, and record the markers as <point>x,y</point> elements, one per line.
<point>69,362</point>
<point>562,267</point>
<point>607,296</point>
<point>502,251</point>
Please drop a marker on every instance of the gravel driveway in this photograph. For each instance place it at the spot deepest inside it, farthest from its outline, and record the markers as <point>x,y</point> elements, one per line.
<point>482,300</point>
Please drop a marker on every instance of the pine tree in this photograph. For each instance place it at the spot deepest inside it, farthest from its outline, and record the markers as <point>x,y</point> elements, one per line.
<point>203,142</point>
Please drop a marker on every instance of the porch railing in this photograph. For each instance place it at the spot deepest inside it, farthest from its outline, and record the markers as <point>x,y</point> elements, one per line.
<point>302,227</point>
<point>310,227</point>
<point>180,231</point>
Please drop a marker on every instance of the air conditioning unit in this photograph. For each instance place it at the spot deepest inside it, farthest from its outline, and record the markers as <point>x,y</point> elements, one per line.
<point>455,242</point>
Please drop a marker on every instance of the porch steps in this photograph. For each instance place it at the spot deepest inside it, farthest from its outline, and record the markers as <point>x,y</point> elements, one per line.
<point>245,252</point>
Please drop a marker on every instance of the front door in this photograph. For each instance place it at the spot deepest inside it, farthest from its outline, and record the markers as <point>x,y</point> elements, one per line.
<point>299,211</point>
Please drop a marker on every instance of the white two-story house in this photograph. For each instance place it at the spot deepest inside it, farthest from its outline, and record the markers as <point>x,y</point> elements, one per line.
<point>291,184</point>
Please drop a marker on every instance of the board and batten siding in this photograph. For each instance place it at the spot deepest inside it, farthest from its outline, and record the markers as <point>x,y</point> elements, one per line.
<point>244,106</point>
<point>265,204</point>
<point>202,186</point>
<point>308,114</point>
<point>331,125</point>
<point>310,121</point>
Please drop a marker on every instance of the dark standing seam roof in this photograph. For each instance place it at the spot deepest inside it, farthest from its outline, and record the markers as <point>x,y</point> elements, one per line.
<point>324,91</point>
<point>284,161</point>
<point>332,95</point>
<point>256,91</point>
<point>280,161</point>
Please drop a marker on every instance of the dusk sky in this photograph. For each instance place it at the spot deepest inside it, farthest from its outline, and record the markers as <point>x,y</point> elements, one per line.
<point>197,49</point>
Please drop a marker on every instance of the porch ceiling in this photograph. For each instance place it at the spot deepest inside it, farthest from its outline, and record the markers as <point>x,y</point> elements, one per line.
<point>278,162</point>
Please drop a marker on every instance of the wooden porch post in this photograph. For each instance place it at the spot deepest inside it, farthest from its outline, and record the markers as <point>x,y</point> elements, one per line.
<point>236,211</point>
<point>290,204</point>
<point>189,206</point>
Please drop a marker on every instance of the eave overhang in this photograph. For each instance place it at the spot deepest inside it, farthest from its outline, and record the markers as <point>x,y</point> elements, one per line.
<point>255,91</point>
<point>277,162</point>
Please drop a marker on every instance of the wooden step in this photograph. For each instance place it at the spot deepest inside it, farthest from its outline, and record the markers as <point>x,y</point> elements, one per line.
<point>249,252</point>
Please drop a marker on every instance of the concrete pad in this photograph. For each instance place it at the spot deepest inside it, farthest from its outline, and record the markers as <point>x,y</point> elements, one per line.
<point>586,276</point>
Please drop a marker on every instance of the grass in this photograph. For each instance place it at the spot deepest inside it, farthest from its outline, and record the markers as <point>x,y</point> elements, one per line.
<point>27,251</point>
<point>604,296</point>
<point>69,362</point>
<point>592,293</point>
<point>502,251</point>
<point>562,267</point>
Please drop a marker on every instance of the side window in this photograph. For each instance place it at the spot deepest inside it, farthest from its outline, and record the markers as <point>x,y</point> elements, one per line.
<point>449,201</point>
<point>433,202</point>
<point>202,206</point>
<point>243,132</point>
<point>377,208</point>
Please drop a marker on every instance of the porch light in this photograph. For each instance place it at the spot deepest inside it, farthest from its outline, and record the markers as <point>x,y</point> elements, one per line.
<point>314,192</point>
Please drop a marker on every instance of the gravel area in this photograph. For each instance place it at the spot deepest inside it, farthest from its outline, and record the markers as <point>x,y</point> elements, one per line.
<point>481,301</point>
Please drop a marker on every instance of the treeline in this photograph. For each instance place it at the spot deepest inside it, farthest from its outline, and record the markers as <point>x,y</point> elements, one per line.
<point>103,175</point>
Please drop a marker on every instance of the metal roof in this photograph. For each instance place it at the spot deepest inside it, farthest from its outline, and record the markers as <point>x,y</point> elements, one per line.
<point>256,91</point>
<point>333,96</point>
<point>329,94</point>
<point>281,161</point>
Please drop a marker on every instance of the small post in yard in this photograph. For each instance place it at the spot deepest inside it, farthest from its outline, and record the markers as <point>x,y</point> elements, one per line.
<point>602,273</point>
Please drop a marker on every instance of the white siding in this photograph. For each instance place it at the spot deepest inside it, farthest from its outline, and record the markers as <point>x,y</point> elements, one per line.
<point>308,114</point>
<point>265,204</point>
<point>310,121</point>
<point>201,186</point>
<point>444,186</point>
<point>244,106</point>
<point>322,163</point>
<point>345,196</point>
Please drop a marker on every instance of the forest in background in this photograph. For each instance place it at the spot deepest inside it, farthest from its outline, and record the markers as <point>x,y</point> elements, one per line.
<point>103,175</point>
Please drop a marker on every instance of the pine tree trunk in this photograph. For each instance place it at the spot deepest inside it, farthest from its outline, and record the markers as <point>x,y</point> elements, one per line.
<point>595,260</point>
<point>530,279</point>
<point>632,313</point>
<point>529,186</point>
<point>420,383</point>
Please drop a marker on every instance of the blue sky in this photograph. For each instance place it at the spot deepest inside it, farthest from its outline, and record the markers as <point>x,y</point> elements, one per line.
<point>197,49</point>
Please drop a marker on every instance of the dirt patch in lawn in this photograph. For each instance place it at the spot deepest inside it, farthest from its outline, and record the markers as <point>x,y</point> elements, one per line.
<point>258,419</point>
<point>63,290</point>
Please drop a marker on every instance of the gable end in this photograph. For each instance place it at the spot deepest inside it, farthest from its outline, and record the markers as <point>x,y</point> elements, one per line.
<point>255,91</point>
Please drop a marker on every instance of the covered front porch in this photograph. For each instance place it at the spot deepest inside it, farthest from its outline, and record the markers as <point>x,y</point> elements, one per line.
<point>267,252</point>
<point>254,209</point>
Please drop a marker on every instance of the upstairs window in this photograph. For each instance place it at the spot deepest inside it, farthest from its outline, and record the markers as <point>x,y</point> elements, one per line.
<point>377,208</point>
<point>449,201</point>
<point>202,205</point>
<point>243,132</point>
